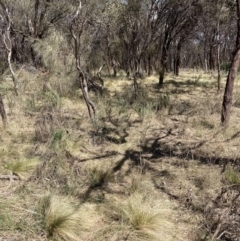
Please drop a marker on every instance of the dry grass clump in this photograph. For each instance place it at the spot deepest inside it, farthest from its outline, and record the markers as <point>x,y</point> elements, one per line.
<point>6,221</point>
<point>44,127</point>
<point>98,176</point>
<point>141,162</point>
<point>22,167</point>
<point>139,218</point>
<point>139,183</point>
<point>47,124</point>
<point>64,220</point>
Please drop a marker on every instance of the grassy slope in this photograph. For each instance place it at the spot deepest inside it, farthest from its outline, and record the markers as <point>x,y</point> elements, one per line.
<point>162,153</point>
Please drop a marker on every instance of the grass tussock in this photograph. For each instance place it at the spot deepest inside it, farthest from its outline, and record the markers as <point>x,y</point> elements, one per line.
<point>232,176</point>
<point>6,221</point>
<point>22,167</point>
<point>64,220</point>
<point>97,176</point>
<point>139,218</point>
<point>144,169</point>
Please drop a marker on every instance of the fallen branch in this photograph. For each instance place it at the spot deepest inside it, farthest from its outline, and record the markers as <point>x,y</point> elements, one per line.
<point>9,177</point>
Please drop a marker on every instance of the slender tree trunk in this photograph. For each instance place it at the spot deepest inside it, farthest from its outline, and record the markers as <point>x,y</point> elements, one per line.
<point>177,59</point>
<point>201,62</point>
<point>149,66</point>
<point>115,66</point>
<point>3,112</point>
<point>227,98</point>
<point>218,59</point>
<point>218,69</point>
<point>205,56</point>
<point>163,66</point>
<point>106,58</point>
<point>90,105</point>
<point>211,59</point>
<point>135,85</point>
<point>206,65</point>
<point>76,32</point>
<point>7,41</point>
<point>218,49</point>
<point>36,20</point>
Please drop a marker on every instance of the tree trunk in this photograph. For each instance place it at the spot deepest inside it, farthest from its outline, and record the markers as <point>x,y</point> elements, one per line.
<point>218,49</point>
<point>149,66</point>
<point>90,105</point>
<point>227,98</point>
<point>201,62</point>
<point>3,112</point>
<point>108,66</point>
<point>163,66</point>
<point>115,66</point>
<point>218,59</point>
<point>211,59</point>
<point>205,56</point>
<point>135,85</point>
<point>218,69</point>
<point>7,41</point>
<point>177,61</point>
<point>76,35</point>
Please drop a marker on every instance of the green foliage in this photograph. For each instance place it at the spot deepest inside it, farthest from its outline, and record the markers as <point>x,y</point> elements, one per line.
<point>163,101</point>
<point>144,109</point>
<point>232,176</point>
<point>44,126</point>
<point>225,66</point>
<point>58,140</point>
<point>47,100</point>
<point>50,100</point>
<point>31,104</point>
<point>52,51</point>
<point>22,167</point>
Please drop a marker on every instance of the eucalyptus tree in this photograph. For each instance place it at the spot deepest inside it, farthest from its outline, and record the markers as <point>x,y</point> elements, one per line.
<point>177,18</point>
<point>137,32</point>
<point>107,38</point>
<point>6,23</point>
<point>87,27</point>
<point>26,26</point>
<point>227,98</point>
<point>32,20</point>
<point>183,37</point>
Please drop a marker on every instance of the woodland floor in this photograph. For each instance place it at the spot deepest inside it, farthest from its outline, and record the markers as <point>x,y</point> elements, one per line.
<point>167,145</point>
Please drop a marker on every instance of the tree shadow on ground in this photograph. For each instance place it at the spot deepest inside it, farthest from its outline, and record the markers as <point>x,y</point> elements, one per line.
<point>159,148</point>
<point>101,184</point>
<point>182,87</point>
<point>153,151</point>
<point>190,82</point>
